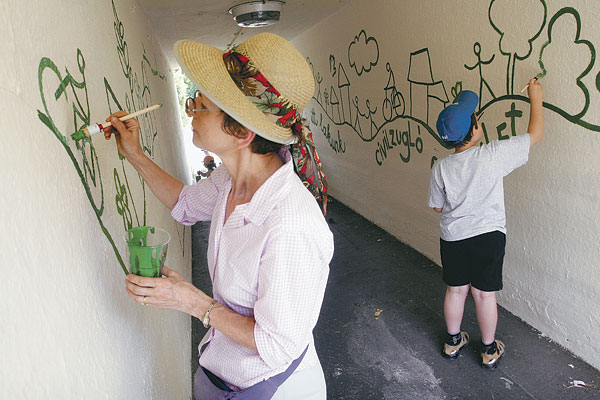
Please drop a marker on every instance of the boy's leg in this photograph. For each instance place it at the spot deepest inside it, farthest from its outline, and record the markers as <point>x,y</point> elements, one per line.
<point>487,314</point>
<point>454,306</point>
<point>455,274</point>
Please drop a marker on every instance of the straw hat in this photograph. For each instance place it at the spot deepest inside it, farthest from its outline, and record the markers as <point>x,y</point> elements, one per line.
<point>264,83</point>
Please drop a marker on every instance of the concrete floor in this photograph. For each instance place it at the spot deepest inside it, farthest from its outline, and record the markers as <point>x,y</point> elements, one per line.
<point>382,327</point>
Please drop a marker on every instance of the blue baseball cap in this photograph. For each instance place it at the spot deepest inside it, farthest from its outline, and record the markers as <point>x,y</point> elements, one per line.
<point>455,120</point>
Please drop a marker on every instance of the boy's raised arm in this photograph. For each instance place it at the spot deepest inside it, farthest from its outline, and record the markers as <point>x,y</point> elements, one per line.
<point>536,113</point>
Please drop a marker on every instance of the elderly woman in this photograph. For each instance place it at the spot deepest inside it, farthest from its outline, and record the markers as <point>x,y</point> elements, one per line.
<point>269,245</point>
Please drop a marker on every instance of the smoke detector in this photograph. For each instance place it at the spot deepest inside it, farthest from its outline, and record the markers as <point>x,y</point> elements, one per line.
<point>257,13</point>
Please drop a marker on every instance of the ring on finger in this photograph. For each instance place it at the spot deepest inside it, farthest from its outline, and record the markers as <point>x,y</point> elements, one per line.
<point>144,301</point>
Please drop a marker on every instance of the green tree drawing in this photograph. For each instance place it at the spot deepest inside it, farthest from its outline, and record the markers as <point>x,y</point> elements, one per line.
<point>517,30</point>
<point>584,47</point>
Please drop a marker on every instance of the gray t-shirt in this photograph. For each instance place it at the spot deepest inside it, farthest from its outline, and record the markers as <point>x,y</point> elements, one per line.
<point>469,188</point>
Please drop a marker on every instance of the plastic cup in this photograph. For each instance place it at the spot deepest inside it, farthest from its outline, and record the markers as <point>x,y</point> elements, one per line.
<point>147,247</point>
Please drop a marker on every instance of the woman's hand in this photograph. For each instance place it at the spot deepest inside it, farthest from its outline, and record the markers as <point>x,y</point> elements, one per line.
<point>171,291</point>
<point>127,134</point>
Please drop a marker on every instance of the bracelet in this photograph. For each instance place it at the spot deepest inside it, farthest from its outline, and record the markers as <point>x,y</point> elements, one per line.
<point>206,319</point>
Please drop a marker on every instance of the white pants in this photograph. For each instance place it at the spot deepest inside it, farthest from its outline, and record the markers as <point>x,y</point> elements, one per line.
<point>308,384</point>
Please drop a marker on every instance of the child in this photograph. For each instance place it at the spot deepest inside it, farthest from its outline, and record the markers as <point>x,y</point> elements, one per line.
<point>467,188</point>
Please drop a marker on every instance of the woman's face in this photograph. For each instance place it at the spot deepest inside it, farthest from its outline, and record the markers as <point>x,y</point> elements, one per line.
<point>207,125</point>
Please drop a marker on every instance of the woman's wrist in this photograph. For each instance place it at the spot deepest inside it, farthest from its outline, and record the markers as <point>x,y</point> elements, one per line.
<point>207,314</point>
<point>200,305</point>
<point>137,159</point>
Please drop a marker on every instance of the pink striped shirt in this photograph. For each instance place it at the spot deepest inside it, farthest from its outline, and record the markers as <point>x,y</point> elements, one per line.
<point>269,260</point>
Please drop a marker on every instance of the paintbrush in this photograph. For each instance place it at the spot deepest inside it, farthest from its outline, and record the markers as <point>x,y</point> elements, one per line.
<point>537,78</point>
<point>97,128</point>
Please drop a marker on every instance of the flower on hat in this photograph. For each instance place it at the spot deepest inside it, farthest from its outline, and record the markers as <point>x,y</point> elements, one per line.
<point>257,88</point>
<point>243,74</point>
<point>267,103</point>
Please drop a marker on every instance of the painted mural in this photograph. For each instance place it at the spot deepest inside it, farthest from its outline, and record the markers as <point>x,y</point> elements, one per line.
<point>57,88</point>
<point>405,111</point>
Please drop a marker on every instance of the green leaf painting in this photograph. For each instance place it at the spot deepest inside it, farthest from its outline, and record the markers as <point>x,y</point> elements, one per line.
<point>57,88</point>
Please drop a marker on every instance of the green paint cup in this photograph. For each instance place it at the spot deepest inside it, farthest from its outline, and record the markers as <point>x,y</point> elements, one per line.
<point>147,247</point>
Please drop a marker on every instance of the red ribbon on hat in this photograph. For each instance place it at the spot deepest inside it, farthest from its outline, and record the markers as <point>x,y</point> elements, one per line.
<point>259,90</point>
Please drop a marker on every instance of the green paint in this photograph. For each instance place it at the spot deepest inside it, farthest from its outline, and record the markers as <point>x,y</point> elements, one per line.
<point>485,134</point>
<point>88,169</point>
<point>122,201</point>
<point>147,254</point>
<point>433,160</point>
<point>573,118</point>
<point>456,89</point>
<point>499,130</point>
<point>78,135</point>
<point>513,55</point>
<point>83,154</point>
<point>513,114</point>
<point>343,108</point>
<point>571,11</point>
<point>544,72</point>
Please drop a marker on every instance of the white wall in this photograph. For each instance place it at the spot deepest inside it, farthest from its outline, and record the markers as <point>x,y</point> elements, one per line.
<point>551,269</point>
<point>68,329</point>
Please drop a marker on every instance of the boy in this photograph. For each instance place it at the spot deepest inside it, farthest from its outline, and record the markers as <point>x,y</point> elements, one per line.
<point>467,189</point>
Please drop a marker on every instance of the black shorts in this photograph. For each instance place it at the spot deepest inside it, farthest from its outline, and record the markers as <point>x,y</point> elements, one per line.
<point>476,261</point>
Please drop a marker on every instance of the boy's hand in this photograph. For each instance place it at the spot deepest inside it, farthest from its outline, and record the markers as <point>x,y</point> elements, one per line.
<point>536,114</point>
<point>535,90</point>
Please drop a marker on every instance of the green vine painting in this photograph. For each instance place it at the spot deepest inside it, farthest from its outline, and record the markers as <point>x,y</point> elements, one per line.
<point>72,89</point>
<point>397,120</point>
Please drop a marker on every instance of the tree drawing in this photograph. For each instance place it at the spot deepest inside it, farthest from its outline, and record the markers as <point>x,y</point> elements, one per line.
<point>583,48</point>
<point>566,55</point>
<point>517,31</point>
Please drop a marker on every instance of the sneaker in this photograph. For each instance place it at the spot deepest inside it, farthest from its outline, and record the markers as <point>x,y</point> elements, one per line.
<point>451,351</point>
<point>490,358</point>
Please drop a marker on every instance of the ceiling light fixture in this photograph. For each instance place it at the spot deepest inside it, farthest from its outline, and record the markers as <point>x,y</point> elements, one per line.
<point>256,14</point>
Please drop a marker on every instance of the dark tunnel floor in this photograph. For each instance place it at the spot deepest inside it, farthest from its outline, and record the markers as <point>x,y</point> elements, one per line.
<point>381,328</point>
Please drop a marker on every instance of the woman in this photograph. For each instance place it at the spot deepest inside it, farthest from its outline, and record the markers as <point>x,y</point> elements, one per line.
<point>269,245</point>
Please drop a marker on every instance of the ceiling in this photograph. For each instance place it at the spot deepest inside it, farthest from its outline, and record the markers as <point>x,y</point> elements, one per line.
<point>208,21</point>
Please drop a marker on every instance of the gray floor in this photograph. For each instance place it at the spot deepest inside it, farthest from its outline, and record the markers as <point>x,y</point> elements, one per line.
<point>381,329</point>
